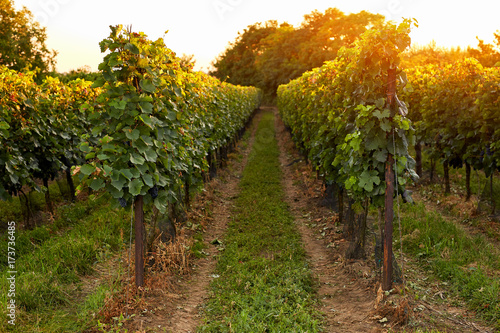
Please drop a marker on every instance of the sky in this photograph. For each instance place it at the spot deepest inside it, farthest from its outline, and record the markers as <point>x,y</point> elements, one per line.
<point>204,28</point>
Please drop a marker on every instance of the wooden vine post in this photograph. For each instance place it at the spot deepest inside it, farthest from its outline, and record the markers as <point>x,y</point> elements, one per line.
<point>139,241</point>
<point>389,191</point>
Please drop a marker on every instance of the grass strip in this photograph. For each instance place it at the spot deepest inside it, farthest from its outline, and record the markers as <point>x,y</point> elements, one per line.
<point>50,267</point>
<point>468,263</point>
<point>262,282</point>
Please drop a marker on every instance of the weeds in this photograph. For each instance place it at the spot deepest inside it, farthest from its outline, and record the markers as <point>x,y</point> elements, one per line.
<point>53,258</point>
<point>469,263</point>
<point>262,281</point>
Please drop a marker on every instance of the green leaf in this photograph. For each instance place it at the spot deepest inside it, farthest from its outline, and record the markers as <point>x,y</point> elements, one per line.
<point>161,201</point>
<point>147,120</point>
<point>146,107</point>
<point>135,172</point>
<point>97,184</point>
<point>378,141</point>
<point>150,155</point>
<point>89,156</point>
<point>137,159</point>
<point>127,173</point>
<point>97,130</point>
<point>379,103</point>
<point>118,104</point>
<point>14,178</point>
<point>142,169</point>
<point>172,115</point>
<point>141,146</point>
<point>98,83</point>
<point>135,186</point>
<point>148,180</point>
<point>385,125</point>
<point>102,157</point>
<point>106,139</point>
<point>380,155</point>
<point>107,169</point>
<point>405,124</point>
<point>132,48</point>
<point>367,179</point>
<point>87,169</point>
<point>132,134</point>
<point>115,193</point>
<point>349,183</point>
<point>147,85</point>
<point>381,115</point>
<point>4,125</point>
<point>119,184</point>
<point>109,148</point>
<point>84,147</point>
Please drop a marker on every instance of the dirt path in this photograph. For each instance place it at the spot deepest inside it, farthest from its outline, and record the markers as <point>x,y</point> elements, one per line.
<point>347,290</point>
<point>186,316</point>
<point>179,312</point>
<point>346,302</point>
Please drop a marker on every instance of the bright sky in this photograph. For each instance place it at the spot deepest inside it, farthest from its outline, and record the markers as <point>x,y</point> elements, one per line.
<point>205,27</point>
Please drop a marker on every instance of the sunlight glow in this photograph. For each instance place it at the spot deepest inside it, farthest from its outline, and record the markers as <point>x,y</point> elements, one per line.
<point>204,28</point>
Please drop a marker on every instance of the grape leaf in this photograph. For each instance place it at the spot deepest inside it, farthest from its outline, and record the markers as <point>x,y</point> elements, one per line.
<point>135,186</point>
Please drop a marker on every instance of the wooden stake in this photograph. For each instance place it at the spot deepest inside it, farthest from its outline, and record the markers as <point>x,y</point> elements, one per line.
<point>389,215</point>
<point>389,191</point>
<point>139,241</point>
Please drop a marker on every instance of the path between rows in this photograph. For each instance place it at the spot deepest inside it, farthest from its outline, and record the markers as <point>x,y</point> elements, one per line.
<point>346,302</point>
<point>186,316</point>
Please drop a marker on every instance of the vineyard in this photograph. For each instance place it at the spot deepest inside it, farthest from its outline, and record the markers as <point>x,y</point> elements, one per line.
<point>189,207</point>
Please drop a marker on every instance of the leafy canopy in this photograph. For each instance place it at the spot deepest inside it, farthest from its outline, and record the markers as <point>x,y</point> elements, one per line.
<point>22,41</point>
<point>268,54</point>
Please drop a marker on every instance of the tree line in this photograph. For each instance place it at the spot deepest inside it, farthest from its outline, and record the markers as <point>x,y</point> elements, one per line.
<point>269,54</point>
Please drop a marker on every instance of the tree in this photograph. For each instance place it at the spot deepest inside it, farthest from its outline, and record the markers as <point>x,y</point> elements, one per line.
<point>487,54</point>
<point>267,55</point>
<point>327,32</point>
<point>237,64</point>
<point>22,41</point>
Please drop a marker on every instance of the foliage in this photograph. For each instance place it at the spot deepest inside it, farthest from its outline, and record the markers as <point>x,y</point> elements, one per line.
<point>237,64</point>
<point>267,55</point>
<point>455,111</point>
<point>155,122</point>
<point>338,113</point>
<point>187,61</point>
<point>22,41</point>
<point>40,128</point>
<point>487,54</point>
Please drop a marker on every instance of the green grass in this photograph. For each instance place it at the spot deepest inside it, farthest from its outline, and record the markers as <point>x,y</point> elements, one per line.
<point>264,283</point>
<point>52,258</point>
<point>470,264</point>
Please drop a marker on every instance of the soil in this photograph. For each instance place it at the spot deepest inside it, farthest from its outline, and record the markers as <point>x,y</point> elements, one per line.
<point>180,311</point>
<point>346,301</point>
<point>349,291</point>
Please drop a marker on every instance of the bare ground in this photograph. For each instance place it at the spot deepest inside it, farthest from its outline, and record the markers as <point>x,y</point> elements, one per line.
<point>347,289</point>
<point>180,311</point>
<point>347,302</point>
<point>350,292</point>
